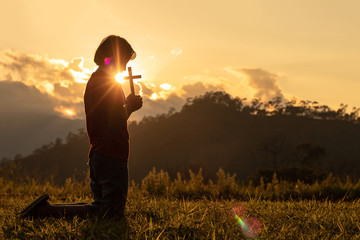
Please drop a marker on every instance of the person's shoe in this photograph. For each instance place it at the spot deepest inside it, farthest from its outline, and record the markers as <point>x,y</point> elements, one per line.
<point>32,209</point>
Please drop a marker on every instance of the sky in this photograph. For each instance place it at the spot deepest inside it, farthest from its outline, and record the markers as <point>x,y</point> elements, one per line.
<point>251,49</point>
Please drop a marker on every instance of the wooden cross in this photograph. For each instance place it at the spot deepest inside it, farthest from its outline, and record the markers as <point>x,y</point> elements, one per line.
<point>130,78</point>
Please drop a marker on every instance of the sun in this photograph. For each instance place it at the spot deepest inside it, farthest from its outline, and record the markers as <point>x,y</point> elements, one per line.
<point>119,77</point>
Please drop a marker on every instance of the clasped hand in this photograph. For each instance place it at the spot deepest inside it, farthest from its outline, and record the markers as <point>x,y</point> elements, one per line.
<point>134,102</point>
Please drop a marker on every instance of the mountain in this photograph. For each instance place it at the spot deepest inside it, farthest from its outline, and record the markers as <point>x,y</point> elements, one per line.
<point>28,119</point>
<point>21,133</point>
<point>216,131</point>
<point>213,131</point>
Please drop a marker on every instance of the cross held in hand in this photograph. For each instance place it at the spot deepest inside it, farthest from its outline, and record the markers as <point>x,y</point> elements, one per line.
<point>130,78</point>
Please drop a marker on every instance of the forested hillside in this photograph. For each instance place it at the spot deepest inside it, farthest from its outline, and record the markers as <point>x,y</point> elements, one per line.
<point>215,130</point>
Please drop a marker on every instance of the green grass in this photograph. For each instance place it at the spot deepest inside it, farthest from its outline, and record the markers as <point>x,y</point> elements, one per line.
<point>165,218</point>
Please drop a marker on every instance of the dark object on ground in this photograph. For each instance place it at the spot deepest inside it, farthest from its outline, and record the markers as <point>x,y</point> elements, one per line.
<point>32,209</point>
<point>41,208</point>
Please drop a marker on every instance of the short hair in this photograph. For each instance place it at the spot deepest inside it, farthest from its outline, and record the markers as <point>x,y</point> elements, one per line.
<point>114,47</point>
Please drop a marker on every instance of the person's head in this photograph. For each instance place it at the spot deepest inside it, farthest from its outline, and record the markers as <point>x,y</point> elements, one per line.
<point>115,51</point>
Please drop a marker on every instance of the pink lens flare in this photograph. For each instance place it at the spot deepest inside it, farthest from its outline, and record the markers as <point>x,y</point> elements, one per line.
<point>251,227</point>
<point>239,210</point>
<point>107,61</point>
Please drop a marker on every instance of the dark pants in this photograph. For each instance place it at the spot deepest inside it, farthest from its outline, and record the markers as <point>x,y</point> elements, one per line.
<point>109,184</point>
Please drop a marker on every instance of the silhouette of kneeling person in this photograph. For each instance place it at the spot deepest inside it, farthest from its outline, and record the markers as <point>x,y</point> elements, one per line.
<point>107,111</point>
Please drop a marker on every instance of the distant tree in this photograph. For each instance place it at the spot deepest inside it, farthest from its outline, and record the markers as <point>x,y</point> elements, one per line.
<point>324,112</point>
<point>305,108</point>
<point>258,107</point>
<point>341,112</point>
<point>220,98</point>
<point>239,104</point>
<point>274,106</point>
<point>309,155</point>
<point>276,147</point>
<point>56,159</point>
<point>354,115</point>
<point>291,108</point>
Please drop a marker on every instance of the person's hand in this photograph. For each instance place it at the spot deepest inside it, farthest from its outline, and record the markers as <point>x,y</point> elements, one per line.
<point>133,102</point>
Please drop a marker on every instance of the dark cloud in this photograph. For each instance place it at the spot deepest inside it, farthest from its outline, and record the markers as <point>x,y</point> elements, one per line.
<point>147,91</point>
<point>264,83</point>
<point>28,119</point>
<point>61,91</point>
<point>198,88</point>
<point>158,106</point>
<point>18,97</point>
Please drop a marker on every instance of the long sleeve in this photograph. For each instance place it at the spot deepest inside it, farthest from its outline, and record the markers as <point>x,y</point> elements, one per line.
<point>106,116</point>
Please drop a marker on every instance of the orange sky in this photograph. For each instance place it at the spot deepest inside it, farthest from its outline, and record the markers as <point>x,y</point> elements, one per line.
<point>259,48</point>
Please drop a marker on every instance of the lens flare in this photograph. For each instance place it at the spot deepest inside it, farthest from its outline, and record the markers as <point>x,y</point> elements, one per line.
<point>239,210</point>
<point>107,61</point>
<point>250,226</point>
<point>119,77</point>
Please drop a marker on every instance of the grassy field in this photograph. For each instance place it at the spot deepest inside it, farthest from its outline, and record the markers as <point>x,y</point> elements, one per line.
<point>162,208</point>
<point>164,218</point>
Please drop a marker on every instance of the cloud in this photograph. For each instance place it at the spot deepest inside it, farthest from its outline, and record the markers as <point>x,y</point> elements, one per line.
<point>43,72</point>
<point>64,82</point>
<point>264,83</point>
<point>198,88</point>
<point>158,106</point>
<point>176,51</point>
<point>16,97</point>
<point>169,97</point>
<point>61,85</point>
<point>147,88</point>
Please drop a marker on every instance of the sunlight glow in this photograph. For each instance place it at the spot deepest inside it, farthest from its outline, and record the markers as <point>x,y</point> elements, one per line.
<point>119,77</point>
<point>136,82</point>
<point>69,112</point>
<point>79,77</point>
<point>47,87</point>
<point>65,84</point>
<point>154,96</point>
<point>59,62</point>
<point>166,86</point>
